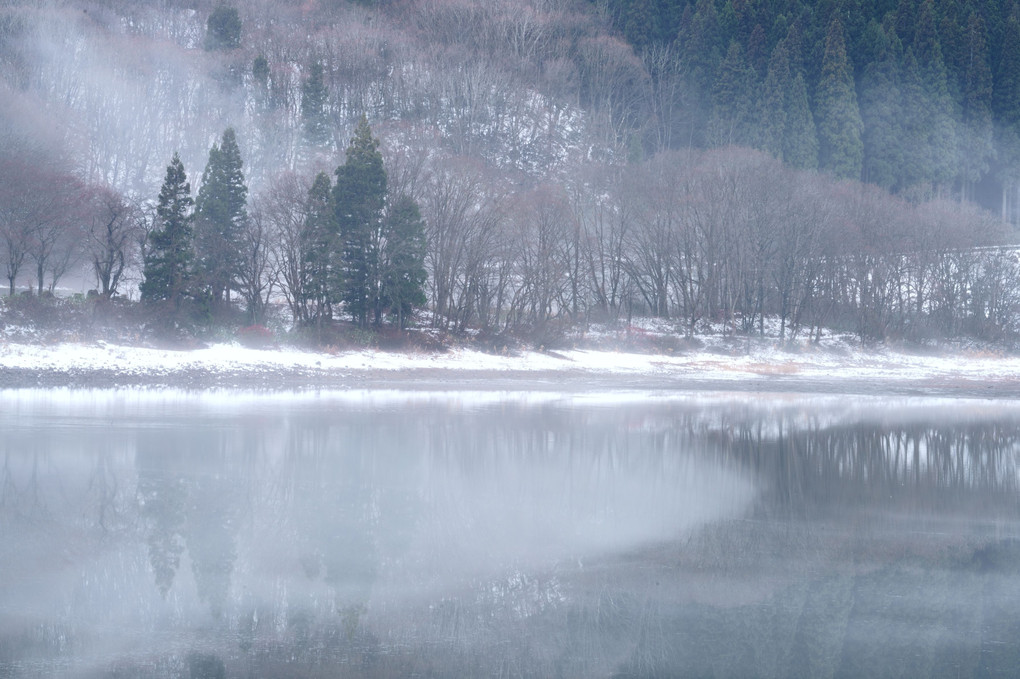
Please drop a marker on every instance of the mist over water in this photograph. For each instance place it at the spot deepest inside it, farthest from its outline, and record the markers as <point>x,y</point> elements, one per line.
<point>389,534</point>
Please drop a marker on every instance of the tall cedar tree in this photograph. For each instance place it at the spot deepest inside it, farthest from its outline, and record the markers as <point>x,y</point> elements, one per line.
<point>223,29</point>
<point>220,216</point>
<point>975,140</point>
<point>169,255</point>
<point>840,149</point>
<point>403,268</point>
<point>732,119</point>
<point>1006,98</point>
<point>800,142</point>
<point>318,243</point>
<point>359,196</point>
<point>882,110</point>
<point>940,140</point>
<point>313,106</point>
<point>772,105</point>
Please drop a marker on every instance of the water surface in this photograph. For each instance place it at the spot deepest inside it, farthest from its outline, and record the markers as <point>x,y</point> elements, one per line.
<point>384,534</point>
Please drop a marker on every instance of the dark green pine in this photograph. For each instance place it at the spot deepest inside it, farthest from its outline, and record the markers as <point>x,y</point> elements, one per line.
<point>772,103</point>
<point>220,216</point>
<point>403,276</point>
<point>881,106</point>
<point>168,257</point>
<point>318,244</point>
<point>313,106</point>
<point>800,138</point>
<point>358,197</point>
<point>732,119</point>
<point>840,149</point>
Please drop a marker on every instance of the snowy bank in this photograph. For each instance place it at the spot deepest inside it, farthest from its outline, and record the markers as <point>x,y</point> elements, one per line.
<point>761,368</point>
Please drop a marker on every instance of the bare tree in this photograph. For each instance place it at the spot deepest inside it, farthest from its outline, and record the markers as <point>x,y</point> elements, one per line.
<point>602,221</point>
<point>282,210</point>
<point>113,228</point>
<point>258,270</point>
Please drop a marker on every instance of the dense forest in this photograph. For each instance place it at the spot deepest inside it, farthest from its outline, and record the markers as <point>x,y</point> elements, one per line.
<point>525,165</point>
<point>913,96</point>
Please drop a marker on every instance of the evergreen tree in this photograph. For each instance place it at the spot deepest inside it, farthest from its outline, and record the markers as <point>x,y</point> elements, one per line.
<point>732,103</point>
<point>916,163</point>
<point>1006,106</point>
<point>772,105</point>
<point>840,149</point>
<point>403,269</point>
<point>168,255</point>
<point>640,22</point>
<point>975,140</point>
<point>220,217</point>
<point>939,140</point>
<point>223,29</point>
<point>699,42</point>
<point>313,106</point>
<point>906,20</point>
<point>260,71</point>
<point>800,139</point>
<point>757,54</point>
<point>318,245</point>
<point>358,197</point>
<point>881,110</point>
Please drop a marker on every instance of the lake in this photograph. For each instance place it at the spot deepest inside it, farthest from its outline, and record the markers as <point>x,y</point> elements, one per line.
<point>486,534</point>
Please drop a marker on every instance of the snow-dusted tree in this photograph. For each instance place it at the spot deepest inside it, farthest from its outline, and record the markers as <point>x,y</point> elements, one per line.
<point>403,260</point>
<point>359,196</point>
<point>220,219</point>
<point>318,253</point>
<point>223,29</point>
<point>169,256</point>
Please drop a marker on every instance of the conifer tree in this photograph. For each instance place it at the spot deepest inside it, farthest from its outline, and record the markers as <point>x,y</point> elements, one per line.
<point>916,162</point>
<point>881,110</point>
<point>318,244</point>
<point>168,255</point>
<point>1006,106</point>
<point>358,197</point>
<point>223,29</point>
<point>939,140</point>
<point>772,104</point>
<point>732,103</point>
<point>403,259</point>
<point>313,106</point>
<point>699,40</point>
<point>800,139</point>
<point>975,139</point>
<point>640,22</point>
<point>840,149</point>
<point>260,71</point>
<point>220,216</point>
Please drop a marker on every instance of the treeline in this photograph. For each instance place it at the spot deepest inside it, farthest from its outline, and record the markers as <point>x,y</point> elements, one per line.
<point>911,96</point>
<point>730,236</point>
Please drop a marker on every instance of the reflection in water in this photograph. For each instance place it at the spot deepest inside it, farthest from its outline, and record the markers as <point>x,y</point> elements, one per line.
<point>166,535</point>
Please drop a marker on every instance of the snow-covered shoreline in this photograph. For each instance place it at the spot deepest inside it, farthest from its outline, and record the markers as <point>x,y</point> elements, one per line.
<point>761,368</point>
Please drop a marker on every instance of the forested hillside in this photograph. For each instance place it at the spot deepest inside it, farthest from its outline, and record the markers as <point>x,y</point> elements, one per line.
<point>515,166</point>
<point>918,97</point>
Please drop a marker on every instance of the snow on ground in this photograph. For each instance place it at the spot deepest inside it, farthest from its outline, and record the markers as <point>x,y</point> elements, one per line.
<point>761,362</point>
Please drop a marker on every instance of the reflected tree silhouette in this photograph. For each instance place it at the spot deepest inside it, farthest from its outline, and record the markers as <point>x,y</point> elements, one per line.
<point>162,498</point>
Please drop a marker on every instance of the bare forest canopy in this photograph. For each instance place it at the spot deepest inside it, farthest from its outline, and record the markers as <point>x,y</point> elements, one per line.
<point>559,173</point>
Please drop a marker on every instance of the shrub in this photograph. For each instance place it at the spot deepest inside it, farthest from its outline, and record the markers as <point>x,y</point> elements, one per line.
<point>256,337</point>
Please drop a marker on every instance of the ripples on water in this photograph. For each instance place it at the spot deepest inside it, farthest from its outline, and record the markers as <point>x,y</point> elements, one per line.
<point>385,534</point>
